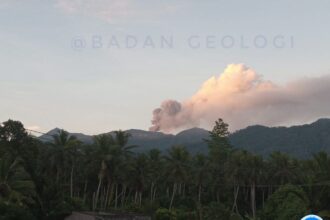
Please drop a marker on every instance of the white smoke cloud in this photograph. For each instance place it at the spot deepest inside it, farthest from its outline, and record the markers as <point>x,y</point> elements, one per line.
<point>241,97</point>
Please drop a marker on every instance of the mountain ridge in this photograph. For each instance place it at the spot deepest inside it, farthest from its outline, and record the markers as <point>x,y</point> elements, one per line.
<point>299,140</point>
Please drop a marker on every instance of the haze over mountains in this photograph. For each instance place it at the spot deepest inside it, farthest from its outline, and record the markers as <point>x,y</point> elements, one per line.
<point>300,141</point>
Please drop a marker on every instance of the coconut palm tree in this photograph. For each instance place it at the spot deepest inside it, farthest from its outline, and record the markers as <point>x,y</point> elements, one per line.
<point>201,167</point>
<point>103,154</point>
<point>317,179</point>
<point>140,176</point>
<point>282,169</point>
<point>254,172</point>
<point>177,161</point>
<point>14,182</point>
<point>110,151</point>
<point>156,169</point>
<point>236,174</point>
<point>63,153</point>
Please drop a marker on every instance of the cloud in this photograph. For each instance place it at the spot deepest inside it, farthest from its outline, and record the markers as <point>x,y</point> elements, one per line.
<point>242,97</point>
<point>114,11</point>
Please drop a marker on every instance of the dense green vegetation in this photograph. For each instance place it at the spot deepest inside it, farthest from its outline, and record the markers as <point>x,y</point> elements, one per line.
<point>48,180</point>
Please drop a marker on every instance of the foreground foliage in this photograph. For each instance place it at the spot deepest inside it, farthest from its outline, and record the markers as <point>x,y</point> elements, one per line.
<point>48,180</point>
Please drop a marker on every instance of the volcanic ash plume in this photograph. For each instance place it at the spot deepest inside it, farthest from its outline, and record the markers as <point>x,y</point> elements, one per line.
<point>241,97</point>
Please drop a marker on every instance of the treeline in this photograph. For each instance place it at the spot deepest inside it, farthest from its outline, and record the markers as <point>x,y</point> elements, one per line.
<point>46,181</point>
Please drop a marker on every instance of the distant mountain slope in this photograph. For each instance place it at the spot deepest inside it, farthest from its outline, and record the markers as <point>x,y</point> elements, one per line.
<point>300,141</point>
<point>147,140</point>
<point>82,137</point>
<point>191,138</point>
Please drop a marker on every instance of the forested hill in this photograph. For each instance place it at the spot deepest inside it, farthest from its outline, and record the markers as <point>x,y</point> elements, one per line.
<point>193,139</point>
<point>299,141</point>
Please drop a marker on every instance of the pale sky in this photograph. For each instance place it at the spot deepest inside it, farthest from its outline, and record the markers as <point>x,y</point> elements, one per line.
<point>52,73</point>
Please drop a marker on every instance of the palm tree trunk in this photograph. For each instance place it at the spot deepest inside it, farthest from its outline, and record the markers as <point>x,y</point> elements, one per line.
<point>199,193</point>
<point>200,211</point>
<point>71,181</point>
<point>151,191</point>
<point>236,190</point>
<point>263,198</point>
<point>97,193</point>
<point>140,198</point>
<point>135,197</point>
<point>124,195</point>
<point>57,175</point>
<point>102,196</point>
<point>85,191</point>
<point>154,196</point>
<point>173,194</point>
<point>106,196</point>
<point>184,190</point>
<point>253,200</point>
<point>93,200</point>
<point>128,195</point>
<point>111,195</point>
<point>116,196</point>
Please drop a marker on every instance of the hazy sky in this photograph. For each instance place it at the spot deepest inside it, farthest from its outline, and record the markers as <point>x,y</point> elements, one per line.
<point>95,65</point>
